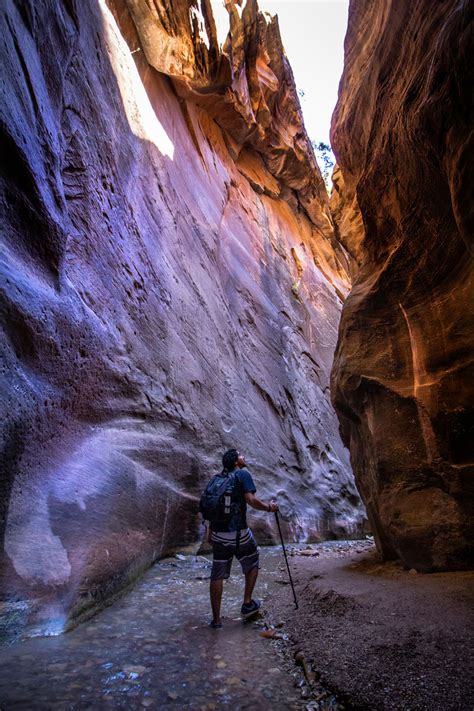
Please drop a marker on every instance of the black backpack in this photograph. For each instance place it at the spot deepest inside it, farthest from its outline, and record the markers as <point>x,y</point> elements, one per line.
<point>218,500</point>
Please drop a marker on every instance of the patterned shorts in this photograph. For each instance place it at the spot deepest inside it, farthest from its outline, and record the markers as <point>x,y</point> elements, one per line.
<point>224,548</point>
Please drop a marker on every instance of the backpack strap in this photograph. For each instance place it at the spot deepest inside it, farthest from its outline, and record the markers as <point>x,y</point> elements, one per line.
<point>237,538</point>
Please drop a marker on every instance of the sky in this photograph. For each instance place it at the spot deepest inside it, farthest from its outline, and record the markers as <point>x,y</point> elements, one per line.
<point>313,36</point>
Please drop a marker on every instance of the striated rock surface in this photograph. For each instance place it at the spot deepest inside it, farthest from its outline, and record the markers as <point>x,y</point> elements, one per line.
<point>170,287</point>
<point>403,374</point>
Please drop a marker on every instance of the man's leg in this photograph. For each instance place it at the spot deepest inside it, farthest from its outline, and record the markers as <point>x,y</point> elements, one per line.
<point>216,588</point>
<point>250,580</point>
<point>249,559</point>
<point>221,566</point>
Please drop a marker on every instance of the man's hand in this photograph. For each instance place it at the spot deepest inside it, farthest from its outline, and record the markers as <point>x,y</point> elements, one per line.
<point>255,503</point>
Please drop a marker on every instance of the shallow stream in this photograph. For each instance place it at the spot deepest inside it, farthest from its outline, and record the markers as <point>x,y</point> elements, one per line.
<point>153,649</point>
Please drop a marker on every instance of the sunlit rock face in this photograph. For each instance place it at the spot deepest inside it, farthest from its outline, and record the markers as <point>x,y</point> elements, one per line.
<point>403,377</point>
<point>170,287</point>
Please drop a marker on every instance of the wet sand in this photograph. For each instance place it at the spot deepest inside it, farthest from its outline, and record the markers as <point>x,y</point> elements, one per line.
<point>380,636</point>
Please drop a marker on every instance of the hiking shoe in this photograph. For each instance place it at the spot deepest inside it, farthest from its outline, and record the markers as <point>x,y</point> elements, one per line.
<point>250,609</point>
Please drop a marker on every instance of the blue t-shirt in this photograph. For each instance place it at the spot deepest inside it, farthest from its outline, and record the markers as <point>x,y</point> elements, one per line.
<point>244,484</point>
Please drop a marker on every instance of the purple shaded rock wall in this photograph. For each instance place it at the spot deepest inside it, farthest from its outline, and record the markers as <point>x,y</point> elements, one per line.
<point>161,300</point>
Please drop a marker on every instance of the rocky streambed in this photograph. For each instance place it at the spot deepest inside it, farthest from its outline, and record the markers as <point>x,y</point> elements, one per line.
<point>153,649</point>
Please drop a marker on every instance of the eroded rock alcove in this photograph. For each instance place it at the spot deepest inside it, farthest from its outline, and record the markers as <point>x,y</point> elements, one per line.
<point>403,375</point>
<point>171,286</point>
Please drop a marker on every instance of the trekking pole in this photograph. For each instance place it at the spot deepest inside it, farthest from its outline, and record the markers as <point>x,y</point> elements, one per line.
<point>286,559</point>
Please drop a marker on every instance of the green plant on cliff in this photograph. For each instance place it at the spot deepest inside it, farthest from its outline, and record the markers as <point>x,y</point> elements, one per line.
<point>325,158</point>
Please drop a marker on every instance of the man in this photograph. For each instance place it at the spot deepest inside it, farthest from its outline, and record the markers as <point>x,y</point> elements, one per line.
<point>235,538</point>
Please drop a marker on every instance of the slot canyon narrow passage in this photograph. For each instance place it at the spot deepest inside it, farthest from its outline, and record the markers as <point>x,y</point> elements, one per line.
<point>177,279</point>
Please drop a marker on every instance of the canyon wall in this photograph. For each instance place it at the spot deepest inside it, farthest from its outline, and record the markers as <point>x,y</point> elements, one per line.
<point>403,375</point>
<point>170,287</point>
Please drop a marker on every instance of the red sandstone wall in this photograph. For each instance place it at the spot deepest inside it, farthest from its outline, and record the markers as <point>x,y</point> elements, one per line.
<point>403,377</point>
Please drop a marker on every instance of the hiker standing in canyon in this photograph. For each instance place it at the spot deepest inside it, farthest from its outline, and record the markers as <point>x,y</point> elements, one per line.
<point>224,505</point>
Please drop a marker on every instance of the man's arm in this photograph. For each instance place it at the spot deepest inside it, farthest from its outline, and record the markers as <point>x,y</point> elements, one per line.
<point>255,503</point>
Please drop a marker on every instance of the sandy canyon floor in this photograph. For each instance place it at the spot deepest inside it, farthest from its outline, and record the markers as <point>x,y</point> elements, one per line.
<point>382,636</point>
